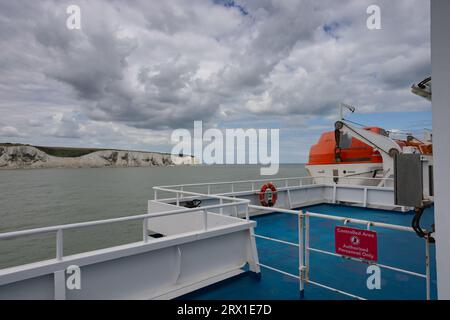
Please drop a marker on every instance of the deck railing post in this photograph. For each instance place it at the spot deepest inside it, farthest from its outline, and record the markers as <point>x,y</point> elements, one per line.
<point>301,266</point>
<point>289,200</point>
<point>365,198</point>
<point>178,199</point>
<point>155,197</point>
<point>145,230</point>
<point>221,208</point>
<point>427,266</point>
<point>205,220</point>
<point>59,245</point>
<point>306,246</point>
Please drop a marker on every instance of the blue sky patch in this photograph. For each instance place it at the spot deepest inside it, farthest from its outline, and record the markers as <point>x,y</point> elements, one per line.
<point>232,4</point>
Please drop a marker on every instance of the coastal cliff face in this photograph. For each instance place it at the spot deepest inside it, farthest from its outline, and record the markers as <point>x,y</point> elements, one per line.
<point>15,157</point>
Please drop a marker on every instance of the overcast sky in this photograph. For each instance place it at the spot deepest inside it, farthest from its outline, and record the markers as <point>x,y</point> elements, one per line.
<point>139,69</point>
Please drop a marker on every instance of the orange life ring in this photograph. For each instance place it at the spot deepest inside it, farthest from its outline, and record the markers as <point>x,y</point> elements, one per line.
<point>270,202</point>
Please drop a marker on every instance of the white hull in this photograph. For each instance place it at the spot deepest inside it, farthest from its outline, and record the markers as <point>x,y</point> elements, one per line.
<point>353,174</point>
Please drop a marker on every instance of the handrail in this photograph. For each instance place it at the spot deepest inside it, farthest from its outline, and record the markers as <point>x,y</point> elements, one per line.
<point>14,234</point>
<point>336,218</point>
<point>166,189</point>
<point>232,182</point>
<point>314,180</point>
<point>276,179</point>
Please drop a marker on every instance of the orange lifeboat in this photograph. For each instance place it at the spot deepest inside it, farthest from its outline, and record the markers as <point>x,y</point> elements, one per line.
<point>349,158</point>
<point>351,150</point>
<point>338,155</point>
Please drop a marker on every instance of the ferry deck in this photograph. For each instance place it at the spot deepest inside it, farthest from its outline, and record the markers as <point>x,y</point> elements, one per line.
<point>395,248</point>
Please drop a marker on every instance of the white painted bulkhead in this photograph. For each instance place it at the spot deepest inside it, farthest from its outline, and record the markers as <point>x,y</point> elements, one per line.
<point>440,64</point>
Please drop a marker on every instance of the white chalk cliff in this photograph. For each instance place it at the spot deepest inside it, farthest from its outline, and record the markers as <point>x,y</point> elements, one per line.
<point>15,157</point>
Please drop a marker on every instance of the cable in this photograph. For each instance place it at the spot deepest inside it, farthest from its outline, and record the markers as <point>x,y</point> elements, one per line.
<point>359,124</point>
<point>416,224</point>
<point>359,173</point>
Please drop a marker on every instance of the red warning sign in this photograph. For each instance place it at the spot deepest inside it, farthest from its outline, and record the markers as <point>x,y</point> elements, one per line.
<point>356,243</point>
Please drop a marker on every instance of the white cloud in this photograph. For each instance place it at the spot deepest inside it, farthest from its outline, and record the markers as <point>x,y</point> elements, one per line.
<point>138,69</point>
<point>9,131</point>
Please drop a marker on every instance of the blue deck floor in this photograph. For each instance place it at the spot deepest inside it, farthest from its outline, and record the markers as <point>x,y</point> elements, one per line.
<point>395,248</point>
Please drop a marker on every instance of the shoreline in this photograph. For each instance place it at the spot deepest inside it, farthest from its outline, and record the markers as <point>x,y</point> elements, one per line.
<point>30,157</point>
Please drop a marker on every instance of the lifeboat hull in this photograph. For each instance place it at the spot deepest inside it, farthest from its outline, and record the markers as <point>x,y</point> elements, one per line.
<point>353,162</point>
<point>353,173</point>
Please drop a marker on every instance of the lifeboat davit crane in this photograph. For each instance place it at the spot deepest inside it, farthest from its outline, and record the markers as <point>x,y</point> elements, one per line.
<point>359,155</point>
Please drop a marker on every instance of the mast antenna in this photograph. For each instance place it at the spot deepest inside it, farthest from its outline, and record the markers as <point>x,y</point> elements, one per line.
<point>341,109</point>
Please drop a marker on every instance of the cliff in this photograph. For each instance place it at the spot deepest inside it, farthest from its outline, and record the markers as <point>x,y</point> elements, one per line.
<point>24,156</point>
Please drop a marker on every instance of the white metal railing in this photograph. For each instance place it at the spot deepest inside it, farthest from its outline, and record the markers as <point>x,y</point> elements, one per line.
<point>304,248</point>
<point>59,229</point>
<point>272,180</point>
<point>232,184</point>
<point>283,183</point>
<point>236,202</point>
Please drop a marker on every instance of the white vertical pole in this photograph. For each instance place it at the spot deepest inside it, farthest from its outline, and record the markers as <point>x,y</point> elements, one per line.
<point>221,208</point>
<point>145,230</point>
<point>205,220</point>
<point>307,246</point>
<point>155,197</point>
<point>59,245</point>
<point>427,266</point>
<point>334,193</point>
<point>300,253</point>
<point>440,65</point>
<point>178,199</point>
<point>365,198</point>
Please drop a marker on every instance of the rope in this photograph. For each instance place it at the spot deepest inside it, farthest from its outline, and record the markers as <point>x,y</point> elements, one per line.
<point>359,124</point>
